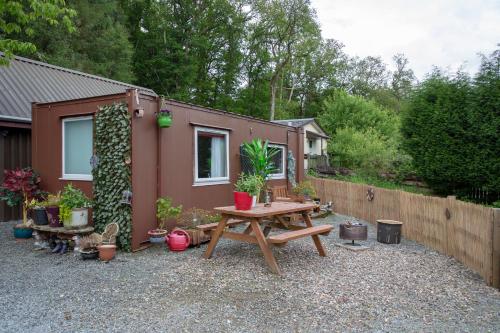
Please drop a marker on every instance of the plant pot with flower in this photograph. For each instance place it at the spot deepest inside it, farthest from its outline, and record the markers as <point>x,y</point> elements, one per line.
<point>38,212</point>
<point>73,208</point>
<point>304,191</point>
<point>247,190</point>
<point>164,118</point>
<point>18,188</point>
<point>52,208</point>
<point>164,211</point>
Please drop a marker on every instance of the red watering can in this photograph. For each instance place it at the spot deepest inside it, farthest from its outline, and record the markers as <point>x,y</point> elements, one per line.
<point>178,240</point>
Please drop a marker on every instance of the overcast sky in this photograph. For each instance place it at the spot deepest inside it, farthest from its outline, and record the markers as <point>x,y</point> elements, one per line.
<point>444,33</point>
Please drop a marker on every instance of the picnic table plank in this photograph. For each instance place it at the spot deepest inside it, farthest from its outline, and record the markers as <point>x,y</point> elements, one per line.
<point>276,208</point>
<point>291,235</point>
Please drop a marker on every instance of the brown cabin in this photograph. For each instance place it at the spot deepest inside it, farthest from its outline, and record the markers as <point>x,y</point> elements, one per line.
<point>164,162</point>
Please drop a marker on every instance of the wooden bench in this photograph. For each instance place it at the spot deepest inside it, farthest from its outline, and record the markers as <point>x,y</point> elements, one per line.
<point>291,235</point>
<point>211,226</point>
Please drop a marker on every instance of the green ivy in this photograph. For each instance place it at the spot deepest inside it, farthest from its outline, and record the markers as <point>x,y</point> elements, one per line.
<point>112,175</point>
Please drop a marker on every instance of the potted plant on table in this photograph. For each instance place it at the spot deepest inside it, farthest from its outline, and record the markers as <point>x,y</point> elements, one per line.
<point>73,207</point>
<point>247,190</point>
<point>304,191</point>
<point>164,211</point>
<point>19,187</point>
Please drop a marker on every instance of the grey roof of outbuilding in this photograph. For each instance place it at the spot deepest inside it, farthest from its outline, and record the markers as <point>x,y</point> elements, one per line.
<point>26,81</point>
<point>295,122</point>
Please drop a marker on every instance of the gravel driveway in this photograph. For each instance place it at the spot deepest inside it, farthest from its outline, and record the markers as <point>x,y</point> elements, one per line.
<point>394,288</point>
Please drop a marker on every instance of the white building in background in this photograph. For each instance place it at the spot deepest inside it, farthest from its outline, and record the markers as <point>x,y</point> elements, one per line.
<point>315,138</point>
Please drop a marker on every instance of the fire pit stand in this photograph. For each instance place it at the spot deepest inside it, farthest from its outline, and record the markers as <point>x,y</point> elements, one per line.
<point>353,232</point>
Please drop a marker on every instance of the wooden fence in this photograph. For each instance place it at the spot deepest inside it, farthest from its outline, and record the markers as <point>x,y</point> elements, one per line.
<point>468,232</point>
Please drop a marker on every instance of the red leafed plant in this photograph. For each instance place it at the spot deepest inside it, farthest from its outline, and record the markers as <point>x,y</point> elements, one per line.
<point>20,186</point>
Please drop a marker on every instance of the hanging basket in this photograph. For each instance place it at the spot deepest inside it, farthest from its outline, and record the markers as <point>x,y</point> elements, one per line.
<point>164,118</point>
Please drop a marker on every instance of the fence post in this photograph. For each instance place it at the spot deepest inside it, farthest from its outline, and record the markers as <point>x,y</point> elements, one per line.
<point>496,249</point>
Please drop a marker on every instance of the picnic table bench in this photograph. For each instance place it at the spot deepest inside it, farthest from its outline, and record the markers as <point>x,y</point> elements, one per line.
<point>272,217</point>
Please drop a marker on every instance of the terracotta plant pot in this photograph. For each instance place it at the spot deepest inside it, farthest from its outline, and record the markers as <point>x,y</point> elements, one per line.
<point>242,200</point>
<point>106,252</point>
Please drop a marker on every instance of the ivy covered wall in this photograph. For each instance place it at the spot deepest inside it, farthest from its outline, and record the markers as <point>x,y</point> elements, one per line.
<point>112,170</point>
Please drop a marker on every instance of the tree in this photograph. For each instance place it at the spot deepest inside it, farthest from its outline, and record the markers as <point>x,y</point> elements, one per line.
<point>188,50</point>
<point>283,28</point>
<point>364,136</point>
<point>17,17</point>
<point>99,45</point>
<point>451,129</point>
<point>402,78</point>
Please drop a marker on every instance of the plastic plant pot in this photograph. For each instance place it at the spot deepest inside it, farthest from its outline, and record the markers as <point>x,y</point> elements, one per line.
<point>53,215</point>
<point>242,200</point>
<point>164,121</point>
<point>40,216</point>
<point>22,233</point>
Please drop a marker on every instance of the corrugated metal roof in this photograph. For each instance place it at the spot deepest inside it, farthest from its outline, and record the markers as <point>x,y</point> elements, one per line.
<point>294,122</point>
<point>26,81</point>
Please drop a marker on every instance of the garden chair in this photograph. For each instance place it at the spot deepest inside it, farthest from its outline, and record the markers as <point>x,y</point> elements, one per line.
<point>110,232</point>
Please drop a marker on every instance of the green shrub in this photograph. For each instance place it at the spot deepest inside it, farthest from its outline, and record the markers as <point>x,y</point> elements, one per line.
<point>364,135</point>
<point>451,129</point>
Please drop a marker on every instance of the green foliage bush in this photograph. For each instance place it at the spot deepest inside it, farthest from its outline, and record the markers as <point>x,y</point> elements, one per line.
<point>112,175</point>
<point>364,136</point>
<point>451,129</point>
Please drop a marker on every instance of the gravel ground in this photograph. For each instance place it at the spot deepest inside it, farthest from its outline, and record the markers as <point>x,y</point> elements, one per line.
<point>388,288</point>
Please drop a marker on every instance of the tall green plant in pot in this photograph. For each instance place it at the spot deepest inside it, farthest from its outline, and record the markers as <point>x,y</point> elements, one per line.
<point>164,212</point>
<point>73,207</point>
<point>260,156</point>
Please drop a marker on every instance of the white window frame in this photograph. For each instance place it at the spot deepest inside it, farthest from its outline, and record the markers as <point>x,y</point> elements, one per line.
<point>281,175</point>
<point>214,180</point>
<point>71,176</point>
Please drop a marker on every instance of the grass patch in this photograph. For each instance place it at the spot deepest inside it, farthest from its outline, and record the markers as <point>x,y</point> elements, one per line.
<point>383,183</point>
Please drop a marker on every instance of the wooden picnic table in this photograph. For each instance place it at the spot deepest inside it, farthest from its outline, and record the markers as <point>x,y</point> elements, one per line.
<point>272,217</point>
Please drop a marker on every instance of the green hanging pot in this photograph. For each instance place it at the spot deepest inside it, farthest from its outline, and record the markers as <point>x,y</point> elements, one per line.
<point>164,121</point>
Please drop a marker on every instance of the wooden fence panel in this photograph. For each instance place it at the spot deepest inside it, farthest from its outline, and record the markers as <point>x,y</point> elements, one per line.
<point>466,231</point>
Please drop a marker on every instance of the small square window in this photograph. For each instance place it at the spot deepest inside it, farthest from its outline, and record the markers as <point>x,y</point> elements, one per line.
<point>211,155</point>
<point>279,162</point>
<point>77,146</point>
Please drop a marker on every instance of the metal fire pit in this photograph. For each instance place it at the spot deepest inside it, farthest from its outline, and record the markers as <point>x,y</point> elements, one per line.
<point>353,232</point>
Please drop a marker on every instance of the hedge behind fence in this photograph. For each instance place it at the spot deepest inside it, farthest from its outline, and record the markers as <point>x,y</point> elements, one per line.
<point>112,175</point>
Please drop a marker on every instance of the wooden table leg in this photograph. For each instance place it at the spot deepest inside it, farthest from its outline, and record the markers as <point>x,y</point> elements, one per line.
<point>216,236</point>
<point>317,241</point>
<point>266,250</point>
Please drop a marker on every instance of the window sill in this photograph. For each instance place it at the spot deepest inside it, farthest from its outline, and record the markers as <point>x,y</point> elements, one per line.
<point>76,178</point>
<point>277,177</point>
<point>224,182</point>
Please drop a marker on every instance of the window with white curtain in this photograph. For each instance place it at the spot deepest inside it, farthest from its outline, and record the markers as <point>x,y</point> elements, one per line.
<point>278,161</point>
<point>211,156</point>
<point>77,143</point>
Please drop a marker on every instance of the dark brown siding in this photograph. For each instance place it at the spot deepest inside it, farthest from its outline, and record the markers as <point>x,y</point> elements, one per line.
<point>15,152</point>
<point>47,138</point>
<point>177,153</point>
<point>144,169</point>
<point>162,160</point>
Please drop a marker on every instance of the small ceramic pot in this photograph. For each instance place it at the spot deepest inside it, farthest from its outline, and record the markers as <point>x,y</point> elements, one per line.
<point>22,232</point>
<point>106,252</point>
<point>157,236</point>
